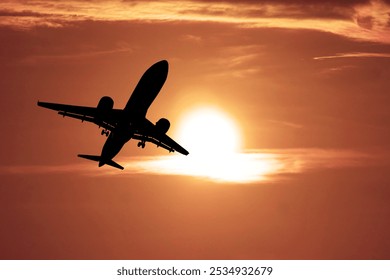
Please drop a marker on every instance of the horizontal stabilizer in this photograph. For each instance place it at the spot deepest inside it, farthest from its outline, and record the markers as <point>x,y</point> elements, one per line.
<point>94,158</point>
<point>114,164</point>
<point>97,158</point>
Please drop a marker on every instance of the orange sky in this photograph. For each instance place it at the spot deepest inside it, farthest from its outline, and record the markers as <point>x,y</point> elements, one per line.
<point>308,83</point>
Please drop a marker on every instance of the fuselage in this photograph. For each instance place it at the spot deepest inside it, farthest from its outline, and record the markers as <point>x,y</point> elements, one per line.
<point>134,113</point>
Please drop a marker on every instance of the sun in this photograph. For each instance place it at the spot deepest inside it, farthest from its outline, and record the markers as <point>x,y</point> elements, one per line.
<point>215,145</point>
<point>209,131</point>
<point>214,142</point>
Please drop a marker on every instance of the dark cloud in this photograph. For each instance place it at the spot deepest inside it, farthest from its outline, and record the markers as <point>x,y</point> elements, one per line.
<point>292,9</point>
<point>10,13</point>
<point>290,2</point>
<point>345,18</point>
<point>366,22</point>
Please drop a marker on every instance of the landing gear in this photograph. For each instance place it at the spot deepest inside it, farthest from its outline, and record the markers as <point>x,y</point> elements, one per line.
<point>105,132</point>
<point>141,144</point>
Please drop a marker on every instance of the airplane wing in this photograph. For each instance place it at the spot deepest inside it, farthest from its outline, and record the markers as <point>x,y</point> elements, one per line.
<point>149,133</point>
<point>88,114</point>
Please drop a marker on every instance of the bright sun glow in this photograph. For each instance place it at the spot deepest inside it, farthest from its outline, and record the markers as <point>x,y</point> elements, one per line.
<point>209,132</point>
<point>214,143</point>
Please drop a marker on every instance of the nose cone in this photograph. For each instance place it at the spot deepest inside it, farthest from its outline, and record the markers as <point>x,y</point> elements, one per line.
<point>155,77</point>
<point>161,66</point>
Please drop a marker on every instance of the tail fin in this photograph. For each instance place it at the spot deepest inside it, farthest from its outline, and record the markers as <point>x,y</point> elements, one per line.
<point>97,158</point>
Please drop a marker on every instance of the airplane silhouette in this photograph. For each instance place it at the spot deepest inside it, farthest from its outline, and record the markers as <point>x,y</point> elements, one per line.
<point>130,123</point>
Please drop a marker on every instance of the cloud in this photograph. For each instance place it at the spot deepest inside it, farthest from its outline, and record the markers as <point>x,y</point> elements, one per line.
<point>287,124</point>
<point>192,38</point>
<point>237,61</point>
<point>44,169</point>
<point>75,56</point>
<point>360,20</point>
<point>355,55</point>
<point>246,167</point>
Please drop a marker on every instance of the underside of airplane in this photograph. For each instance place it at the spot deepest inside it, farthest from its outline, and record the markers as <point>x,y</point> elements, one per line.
<point>121,125</point>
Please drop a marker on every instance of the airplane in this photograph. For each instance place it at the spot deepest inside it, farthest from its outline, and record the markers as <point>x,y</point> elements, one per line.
<point>130,123</point>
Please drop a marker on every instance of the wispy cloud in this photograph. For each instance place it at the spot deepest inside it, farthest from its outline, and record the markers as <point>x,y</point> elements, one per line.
<point>288,124</point>
<point>237,61</point>
<point>192,38</point>
<point>45,169</point>
<point>355,55</point>
<point>246,167</point>
<point>76,56</point>
<point>368,21</point>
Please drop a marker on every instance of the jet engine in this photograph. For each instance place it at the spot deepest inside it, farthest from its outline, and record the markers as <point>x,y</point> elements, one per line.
<point>162,125</point>
<point>104,107</point>
<point>105,104</point>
